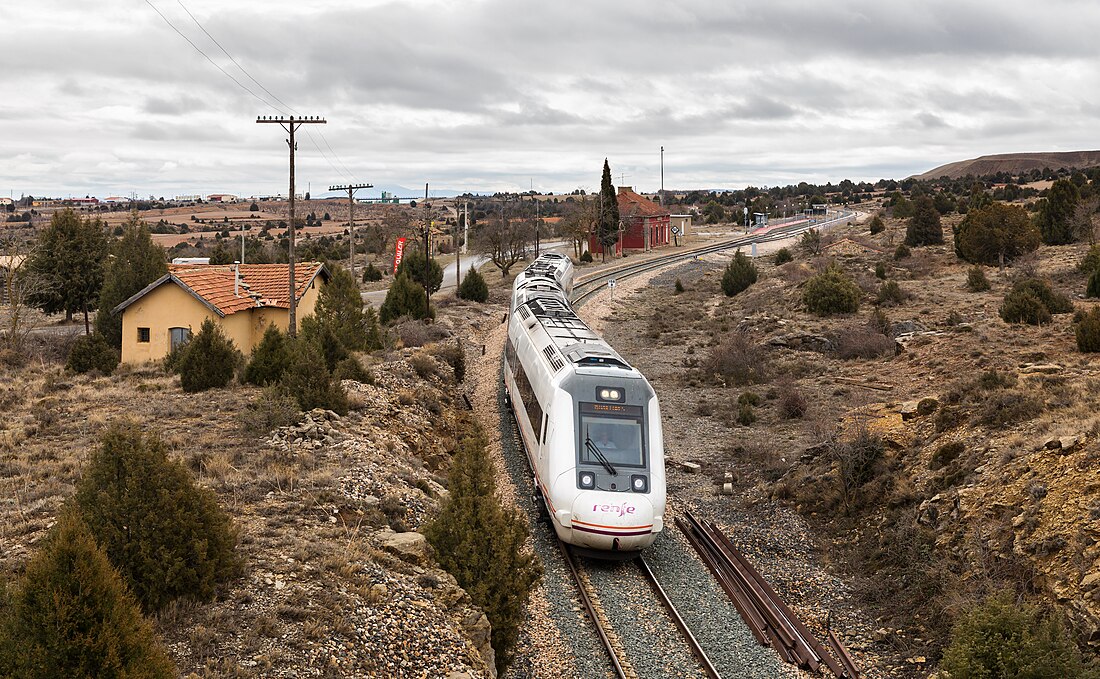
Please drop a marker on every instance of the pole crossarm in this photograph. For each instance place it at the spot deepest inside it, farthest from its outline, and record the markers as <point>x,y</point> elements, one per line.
<point>290,124</point>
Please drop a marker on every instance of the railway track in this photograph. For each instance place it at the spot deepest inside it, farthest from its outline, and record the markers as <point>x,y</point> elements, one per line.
<point>609,637</point>
<point>592,284</point>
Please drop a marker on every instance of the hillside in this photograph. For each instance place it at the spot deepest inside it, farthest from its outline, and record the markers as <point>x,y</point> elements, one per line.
<point>1013,163</point>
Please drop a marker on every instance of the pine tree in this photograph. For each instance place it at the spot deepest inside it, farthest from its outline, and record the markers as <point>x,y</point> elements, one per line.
<point>374,331</point>
<point>209,360</point>
<point>405,298</point>
<point>607,226</point>
<point>473,287</point>
<point>1055,218</point>
<point>166,535</point>
<point>73,616</point>
<point>136,261</point>
<point>270,359</point>
<point>924,226</point>
<point>482,545</point>
<point>69,257</point>
<point>324,339</point>
<point>340,309</point>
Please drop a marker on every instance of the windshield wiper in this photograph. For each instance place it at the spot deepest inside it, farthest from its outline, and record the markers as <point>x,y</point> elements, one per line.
<point>599,455</point>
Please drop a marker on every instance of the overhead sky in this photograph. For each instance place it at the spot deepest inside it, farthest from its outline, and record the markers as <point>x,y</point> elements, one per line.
<point>106,98</point>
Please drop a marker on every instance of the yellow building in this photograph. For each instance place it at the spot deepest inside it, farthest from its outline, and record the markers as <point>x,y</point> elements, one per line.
<point>242,299</point>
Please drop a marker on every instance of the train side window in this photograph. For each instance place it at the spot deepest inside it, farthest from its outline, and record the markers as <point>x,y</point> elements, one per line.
<point>545,424</point>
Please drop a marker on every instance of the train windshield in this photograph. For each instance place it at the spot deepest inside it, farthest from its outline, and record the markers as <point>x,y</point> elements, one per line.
<point>615,431</point>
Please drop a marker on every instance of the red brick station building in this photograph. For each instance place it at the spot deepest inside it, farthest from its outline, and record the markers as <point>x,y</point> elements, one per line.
<point>646,224</point>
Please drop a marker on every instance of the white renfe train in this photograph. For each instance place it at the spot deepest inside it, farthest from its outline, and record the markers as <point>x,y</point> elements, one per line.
<point>590,422</point>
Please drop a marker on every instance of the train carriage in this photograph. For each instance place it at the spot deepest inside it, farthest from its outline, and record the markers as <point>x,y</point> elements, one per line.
<point>589,421</point>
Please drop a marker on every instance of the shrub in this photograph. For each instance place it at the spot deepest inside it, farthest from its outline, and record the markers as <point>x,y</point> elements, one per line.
<point>880,271</point>
<point>271,409</point>
<point>269,360</point>
<point>679,287</point>
<point>740,274</point>
<point>890,294</point>
<point>995,234</point>
<point>72,616</point>
<point>748,398</point>
<point>351,369</point>
<point>209,360</point>
<point>1002,637</point>
<point>878,321</point>
<point>1005,408</point>
<point>745,414</point>
<point>831,292</point>
<point>310,383</point>
<point>902,252</point>
<point>946,454</point>
<point>340,310</point>
<point>877,225</point>
<point>857,462</point>
<point>810,242</point>
<point>405,298</point>
<point>976,280</point>
<point>92,352</point>
<point>782,256</point>
<point>1093,289</point>
<point>737,360</point>
<point>321,335</point>
<point>863,343</point>
<point>166,535</point>
<point>1091,261</point>
<point>586,256</point>
<point>473,288</point>
<point>481,544</point>
<point>453,355</point>
<point>1088,332</point>
<point>371,273</point>
<point>792,404</point>
<point>1033,301</point>
<point>924,226</point>
<point>1024,307</point>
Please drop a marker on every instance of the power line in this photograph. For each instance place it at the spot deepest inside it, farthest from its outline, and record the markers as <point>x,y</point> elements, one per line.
<point>235,62</point>
<point>212,62</point>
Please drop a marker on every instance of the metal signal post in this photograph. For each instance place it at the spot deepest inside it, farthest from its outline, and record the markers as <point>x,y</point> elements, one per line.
<point>290,124</point>
<point>351,188</point>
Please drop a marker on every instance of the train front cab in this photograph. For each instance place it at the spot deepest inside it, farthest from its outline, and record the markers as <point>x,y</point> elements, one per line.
<point>611,491</point>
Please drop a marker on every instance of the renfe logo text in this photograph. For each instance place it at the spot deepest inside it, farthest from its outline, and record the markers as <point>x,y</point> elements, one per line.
<point>617,510</point>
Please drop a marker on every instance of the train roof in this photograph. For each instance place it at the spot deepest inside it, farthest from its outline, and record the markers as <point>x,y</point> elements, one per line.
<point>571,337</point>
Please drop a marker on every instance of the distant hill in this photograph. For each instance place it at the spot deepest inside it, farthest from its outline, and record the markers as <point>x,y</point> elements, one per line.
<point>1014,163</point>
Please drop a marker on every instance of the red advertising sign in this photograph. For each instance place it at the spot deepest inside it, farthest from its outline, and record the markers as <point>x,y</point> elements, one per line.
<point>398,253</point>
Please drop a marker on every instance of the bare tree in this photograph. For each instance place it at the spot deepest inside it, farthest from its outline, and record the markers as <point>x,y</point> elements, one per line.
<point>578,222</point>
<point>1081,221</point>
<point>504,241</point>
<point>18,285</point>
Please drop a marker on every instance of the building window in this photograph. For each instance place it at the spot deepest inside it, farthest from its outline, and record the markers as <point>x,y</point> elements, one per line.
<point>143,334</point>
<point>179,336</point>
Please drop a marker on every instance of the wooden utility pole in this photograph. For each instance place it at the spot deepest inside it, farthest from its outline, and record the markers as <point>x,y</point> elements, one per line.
<point>291,124</point>
<point>427,250</point>
<point>351,189</point>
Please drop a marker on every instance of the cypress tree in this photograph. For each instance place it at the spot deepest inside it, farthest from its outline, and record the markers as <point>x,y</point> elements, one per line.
<point>73,616</point>
<point>136,261</point>
<point>166,535</point>
<point>482,545</point>
<point>607,225</point>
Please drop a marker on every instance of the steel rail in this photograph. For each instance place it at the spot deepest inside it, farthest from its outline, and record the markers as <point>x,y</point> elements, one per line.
<point>590,610</point>
<point>696,649</point>
<point>594,283</point>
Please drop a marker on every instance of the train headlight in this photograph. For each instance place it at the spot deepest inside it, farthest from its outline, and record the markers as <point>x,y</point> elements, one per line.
<point>610,394</point>
<point>586,480</point>
<point>639,483</point>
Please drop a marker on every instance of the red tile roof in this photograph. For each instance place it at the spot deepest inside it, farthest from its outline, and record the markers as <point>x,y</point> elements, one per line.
<point>261,285</point>
<point>631,203</point>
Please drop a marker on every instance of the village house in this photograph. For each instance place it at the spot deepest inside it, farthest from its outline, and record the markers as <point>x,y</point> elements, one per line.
<point>242,299</point>
<point>645,224</point>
